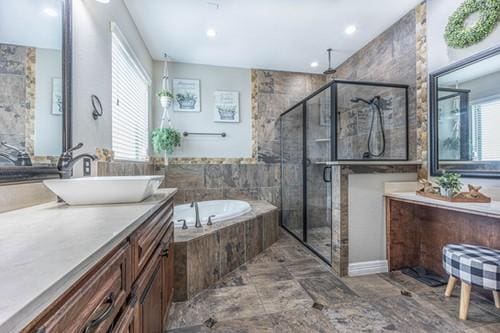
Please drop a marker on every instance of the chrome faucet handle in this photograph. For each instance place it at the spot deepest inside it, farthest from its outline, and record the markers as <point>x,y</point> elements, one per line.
<point>5,144</point>
<point>210,219</point>
<point>72,149</point>
<point>184,223</point>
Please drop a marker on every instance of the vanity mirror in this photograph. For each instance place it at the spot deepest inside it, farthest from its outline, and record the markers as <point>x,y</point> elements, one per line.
<point>465,117</point>
<point>35,87</point>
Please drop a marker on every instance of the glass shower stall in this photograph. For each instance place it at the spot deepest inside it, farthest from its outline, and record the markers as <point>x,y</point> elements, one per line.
<point>342,121</point>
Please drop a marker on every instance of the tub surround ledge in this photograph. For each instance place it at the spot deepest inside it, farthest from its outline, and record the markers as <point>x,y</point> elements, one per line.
<point>45,249</point>
<point>204,255</point>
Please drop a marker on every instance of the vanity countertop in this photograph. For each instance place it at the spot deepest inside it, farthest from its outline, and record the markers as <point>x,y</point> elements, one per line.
<point>491,209</point>
<point>45,249</point>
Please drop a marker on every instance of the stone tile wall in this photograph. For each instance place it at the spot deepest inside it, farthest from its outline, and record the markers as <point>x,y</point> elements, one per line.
<point>391,57</point>
<point>199,182</point>
<point>17,96</point>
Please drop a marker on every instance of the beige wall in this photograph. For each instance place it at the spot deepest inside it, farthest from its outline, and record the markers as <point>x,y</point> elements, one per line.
<point>92,66</point>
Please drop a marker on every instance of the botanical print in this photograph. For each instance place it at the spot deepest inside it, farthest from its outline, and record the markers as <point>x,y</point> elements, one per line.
<point>186,95</point>
<point>227,106</point>
<point>57,104</point>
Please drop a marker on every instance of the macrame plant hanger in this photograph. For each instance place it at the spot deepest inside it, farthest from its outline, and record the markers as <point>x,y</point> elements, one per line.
<point>165,86</point>
<point>165,104</point>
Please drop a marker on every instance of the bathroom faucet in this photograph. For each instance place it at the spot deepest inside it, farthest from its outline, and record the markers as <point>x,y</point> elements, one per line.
<point>197,211</point>
<point>67,161</point>
<point>22,158</point>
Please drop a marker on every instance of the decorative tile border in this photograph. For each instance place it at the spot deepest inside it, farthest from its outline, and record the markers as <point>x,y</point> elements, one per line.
<point>422,87</point>
<point>30,100</point>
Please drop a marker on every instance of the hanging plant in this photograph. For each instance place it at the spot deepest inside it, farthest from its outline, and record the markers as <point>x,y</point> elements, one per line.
<point>458,35</point>
<point>166,140</point>
<point>166,98</point>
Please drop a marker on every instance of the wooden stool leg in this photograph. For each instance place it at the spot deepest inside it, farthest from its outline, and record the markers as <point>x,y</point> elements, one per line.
<point>464,301</point>
<point>451,284</point>
<point>496,296</point>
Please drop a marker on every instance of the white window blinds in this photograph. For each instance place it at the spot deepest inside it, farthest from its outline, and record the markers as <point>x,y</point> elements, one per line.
<point>486,136</point>
<point>130,94</point>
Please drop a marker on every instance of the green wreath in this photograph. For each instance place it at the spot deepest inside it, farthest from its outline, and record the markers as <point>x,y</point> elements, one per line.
<point>457,35</point>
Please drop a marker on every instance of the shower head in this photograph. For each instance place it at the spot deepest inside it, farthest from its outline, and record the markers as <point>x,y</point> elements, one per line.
<point>330,70</point>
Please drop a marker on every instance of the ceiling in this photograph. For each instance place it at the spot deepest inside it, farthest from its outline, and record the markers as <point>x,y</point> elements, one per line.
<point>280,34</point>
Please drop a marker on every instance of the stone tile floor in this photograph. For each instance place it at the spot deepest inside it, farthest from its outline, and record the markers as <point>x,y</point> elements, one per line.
<point>286,289</point>
<point>320,239</point>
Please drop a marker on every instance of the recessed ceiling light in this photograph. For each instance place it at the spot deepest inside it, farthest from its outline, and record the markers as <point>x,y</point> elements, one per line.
<point>350,29</point>
<point>314,64</point>
<point>211,33</point>
<point>103,1</point>
<point>50,12</point>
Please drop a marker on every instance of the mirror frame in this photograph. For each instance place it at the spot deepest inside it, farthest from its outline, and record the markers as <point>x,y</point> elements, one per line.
<point>16,174</point>
<point>434,115</point>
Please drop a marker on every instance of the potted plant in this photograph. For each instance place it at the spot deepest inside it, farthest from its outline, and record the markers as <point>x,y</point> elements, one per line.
<point>450,184</point>
<point>166,140</point>
<point>166,98</point>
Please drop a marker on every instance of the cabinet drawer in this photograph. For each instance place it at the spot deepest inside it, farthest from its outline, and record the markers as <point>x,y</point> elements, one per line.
<point>92,306</point>
<point>148,236</point>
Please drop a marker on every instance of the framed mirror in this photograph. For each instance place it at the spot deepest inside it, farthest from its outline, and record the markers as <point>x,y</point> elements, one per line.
<point>465,117</point>
<point>35,87</point>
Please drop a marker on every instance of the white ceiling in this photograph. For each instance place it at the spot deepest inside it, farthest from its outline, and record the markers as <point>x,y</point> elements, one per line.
<point>267,34</point>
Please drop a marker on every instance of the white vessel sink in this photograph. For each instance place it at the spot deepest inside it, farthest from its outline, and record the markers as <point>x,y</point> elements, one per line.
<point>104,190</point>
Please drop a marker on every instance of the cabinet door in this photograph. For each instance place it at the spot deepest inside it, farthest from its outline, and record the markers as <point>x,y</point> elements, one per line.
<point>149,304</point>
<point>167,268</point>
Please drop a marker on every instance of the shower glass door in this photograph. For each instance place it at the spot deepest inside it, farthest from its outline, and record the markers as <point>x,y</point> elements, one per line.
<point>292,179</point>
<point>318,194</point>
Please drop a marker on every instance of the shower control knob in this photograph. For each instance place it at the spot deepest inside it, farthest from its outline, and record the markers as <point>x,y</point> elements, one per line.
<point>210,219</point>
<point>184,224</point>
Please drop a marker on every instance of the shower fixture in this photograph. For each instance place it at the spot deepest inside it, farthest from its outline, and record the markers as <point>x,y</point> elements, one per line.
<point>375,105</point>
<point>330,70</point>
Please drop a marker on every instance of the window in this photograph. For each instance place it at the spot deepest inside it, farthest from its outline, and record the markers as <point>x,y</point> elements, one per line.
<point>485,133</point>
<point>130,94</point>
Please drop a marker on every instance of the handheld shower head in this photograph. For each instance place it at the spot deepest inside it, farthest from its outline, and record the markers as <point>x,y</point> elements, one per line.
<point>357,100</point>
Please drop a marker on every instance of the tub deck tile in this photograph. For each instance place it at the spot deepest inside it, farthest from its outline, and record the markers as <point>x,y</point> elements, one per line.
<point>232,248</point>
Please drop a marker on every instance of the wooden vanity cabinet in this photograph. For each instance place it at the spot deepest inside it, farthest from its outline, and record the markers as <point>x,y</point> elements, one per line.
<point>167,272</point>
<point>129,291</point>
<point>95,302</point>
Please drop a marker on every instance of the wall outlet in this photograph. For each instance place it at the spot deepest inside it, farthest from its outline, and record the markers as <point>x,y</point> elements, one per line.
<point>87,167</point>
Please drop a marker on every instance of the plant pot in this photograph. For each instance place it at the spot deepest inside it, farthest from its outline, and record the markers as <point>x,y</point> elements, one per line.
<point>448,192</point>
<point>165,102</point>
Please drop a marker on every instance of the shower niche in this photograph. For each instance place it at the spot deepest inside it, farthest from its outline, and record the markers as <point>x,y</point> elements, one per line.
<point>344,121</point>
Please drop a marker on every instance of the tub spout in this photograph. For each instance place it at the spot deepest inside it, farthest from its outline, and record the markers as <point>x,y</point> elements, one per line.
<point>197,211</point>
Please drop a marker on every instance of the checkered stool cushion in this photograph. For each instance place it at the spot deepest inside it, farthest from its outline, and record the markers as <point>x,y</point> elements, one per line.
<point>476,265</point>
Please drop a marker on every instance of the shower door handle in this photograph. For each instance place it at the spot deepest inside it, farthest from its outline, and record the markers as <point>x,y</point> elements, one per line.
<point>325,179</point>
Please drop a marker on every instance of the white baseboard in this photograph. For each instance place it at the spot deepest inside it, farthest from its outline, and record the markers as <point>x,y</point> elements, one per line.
<point>368,267</point>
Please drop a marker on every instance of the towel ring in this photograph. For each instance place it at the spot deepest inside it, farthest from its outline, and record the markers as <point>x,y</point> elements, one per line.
<point>96,106</point>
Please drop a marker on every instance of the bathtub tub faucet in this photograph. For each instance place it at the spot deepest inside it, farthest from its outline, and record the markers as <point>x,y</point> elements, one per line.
<point>196,209</point>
